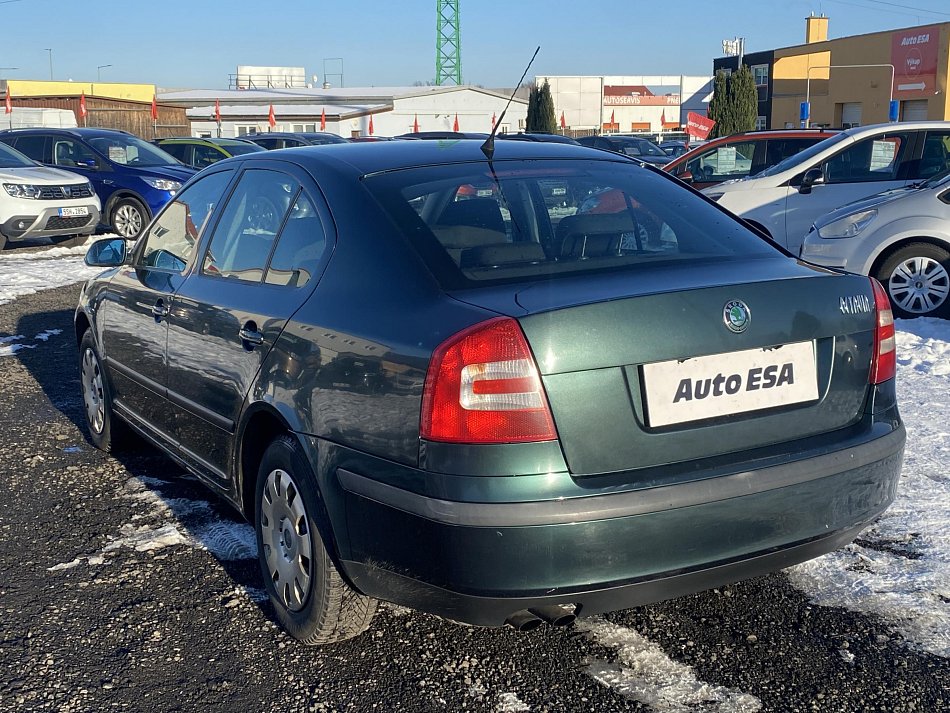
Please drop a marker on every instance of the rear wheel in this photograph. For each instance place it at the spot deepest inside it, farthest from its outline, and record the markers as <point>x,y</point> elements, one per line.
<point>917,280</point>
<point>128,218</point>
<point>310,598</point>
<point>106,431</point>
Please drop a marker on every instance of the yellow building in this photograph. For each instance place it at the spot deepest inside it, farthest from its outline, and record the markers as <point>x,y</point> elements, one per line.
<point>851,81</point>
<point>107,90</point>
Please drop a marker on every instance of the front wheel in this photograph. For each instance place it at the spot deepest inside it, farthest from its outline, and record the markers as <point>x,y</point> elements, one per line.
<point>128,218</point>
<point>310,598</point>
<point>917,280</point>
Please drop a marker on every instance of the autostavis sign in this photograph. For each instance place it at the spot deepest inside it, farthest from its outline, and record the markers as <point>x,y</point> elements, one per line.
<point>698,126</point>
<point>914,56</point>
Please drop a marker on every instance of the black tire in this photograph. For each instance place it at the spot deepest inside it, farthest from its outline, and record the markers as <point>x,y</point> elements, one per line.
<point>311,600</point>
<point>3,241</point>
<point>917,280</point>
<point>106,431</point>
<point>128,218</point>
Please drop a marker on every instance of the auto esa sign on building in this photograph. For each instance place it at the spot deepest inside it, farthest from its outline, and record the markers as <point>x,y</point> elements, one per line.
<point>914,56</point>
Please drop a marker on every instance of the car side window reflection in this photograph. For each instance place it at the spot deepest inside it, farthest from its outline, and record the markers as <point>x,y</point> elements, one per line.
<point>172,238</point>
<point>243,238</point>
<point>300,246</point>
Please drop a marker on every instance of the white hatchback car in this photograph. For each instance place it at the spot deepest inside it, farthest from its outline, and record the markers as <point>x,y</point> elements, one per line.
<point>901,237</point>
<point>38,201</point>
<point>787,198</point>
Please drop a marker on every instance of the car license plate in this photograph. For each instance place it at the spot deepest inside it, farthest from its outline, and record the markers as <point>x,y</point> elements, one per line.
<point>73,212</point>
<point>679,391</point>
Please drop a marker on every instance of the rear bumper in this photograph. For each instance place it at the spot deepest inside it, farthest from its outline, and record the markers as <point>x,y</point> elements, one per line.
<point>479,562</point>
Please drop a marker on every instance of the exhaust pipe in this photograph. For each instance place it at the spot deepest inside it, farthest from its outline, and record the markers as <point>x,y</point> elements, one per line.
<point>523,621</point>
<point>555,614</point>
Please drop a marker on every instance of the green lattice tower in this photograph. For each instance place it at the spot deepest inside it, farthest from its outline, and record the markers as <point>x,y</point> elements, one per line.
<point>448,51</point>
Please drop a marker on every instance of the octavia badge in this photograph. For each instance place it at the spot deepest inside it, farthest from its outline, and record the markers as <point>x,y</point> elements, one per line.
<point>736,315</point>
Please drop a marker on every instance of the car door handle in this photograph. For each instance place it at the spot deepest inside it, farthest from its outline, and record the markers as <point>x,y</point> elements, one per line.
<point>160,311</point>
<point>251,337</point>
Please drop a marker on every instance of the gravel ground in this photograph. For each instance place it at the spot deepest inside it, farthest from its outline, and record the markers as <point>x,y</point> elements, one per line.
<point>127,586</point>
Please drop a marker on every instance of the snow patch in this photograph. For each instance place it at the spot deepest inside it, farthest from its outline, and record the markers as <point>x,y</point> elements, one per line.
<point>27,273</point>
<point>646,674</point>
<point>510,703</point>
<point>899,568</point>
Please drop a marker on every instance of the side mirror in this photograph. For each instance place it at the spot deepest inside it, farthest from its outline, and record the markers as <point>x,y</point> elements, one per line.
<point>108,252</point>
<point>812,177</point>
<point>685,176</point>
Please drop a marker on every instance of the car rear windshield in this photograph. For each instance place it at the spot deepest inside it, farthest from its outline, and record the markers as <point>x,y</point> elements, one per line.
<point>481,223</point>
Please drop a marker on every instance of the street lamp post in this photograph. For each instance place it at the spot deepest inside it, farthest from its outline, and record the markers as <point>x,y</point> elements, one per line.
<point>50,50</point>
<point>99,71</point>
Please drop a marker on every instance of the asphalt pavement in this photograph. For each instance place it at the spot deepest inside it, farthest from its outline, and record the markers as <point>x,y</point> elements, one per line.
<point>125,585</point>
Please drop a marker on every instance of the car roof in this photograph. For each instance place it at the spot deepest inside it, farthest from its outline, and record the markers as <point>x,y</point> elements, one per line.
<point>72,131</point>
<point>365,158</point>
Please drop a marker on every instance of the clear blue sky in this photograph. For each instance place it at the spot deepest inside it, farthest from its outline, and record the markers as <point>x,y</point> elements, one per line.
<point>197,44</point>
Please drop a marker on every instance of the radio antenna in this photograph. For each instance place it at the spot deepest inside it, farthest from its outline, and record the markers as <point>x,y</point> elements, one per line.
<point>488,148</point>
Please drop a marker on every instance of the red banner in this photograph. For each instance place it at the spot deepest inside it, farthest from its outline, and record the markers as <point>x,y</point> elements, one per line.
<point>914,56</point>
<point>698,126</point>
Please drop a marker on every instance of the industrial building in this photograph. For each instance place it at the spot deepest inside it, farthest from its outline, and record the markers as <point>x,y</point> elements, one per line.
<point>628,103</point>
<point>851,81</point>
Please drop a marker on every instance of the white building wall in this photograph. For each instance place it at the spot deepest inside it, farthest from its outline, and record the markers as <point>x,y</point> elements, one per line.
<point>581,99</point>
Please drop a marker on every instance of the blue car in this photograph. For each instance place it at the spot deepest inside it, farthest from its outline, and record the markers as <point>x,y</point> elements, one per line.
<point>134,179</point>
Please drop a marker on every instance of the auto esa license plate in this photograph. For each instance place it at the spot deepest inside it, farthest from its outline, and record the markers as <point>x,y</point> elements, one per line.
<point>693,389</point>
<point>73,212</point>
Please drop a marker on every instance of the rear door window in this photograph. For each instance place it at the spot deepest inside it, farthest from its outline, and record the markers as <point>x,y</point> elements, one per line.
<point>300,246</point>
<point>36,147</point>
<point>545,219</point>
<point>245,235</point>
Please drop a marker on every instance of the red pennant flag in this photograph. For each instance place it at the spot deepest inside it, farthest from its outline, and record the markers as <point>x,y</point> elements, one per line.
<point>563,123</point>
<point>663,118</point>
<point>271,119</point>
<point>323,120</point>
<point>455,126</point>
<point>415,124</point>
<point>217,111</point>
<point>82,105</point>
<point>154,108</point>
<point>370,124</point>
<point>611,116</point>
<point>493,120</point>
<point>9,103</point>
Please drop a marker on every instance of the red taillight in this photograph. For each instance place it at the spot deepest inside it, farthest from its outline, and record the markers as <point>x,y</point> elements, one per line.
<point>483,387</point>
<point>884,359</point>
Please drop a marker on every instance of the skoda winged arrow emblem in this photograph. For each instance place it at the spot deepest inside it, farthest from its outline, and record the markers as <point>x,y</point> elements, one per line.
<point>737,315</point>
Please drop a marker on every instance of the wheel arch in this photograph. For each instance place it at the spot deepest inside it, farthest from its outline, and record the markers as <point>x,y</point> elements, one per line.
<point>260,426</point>
<point>878,260</point>
<point>81,323</point>
<point>121,194</point>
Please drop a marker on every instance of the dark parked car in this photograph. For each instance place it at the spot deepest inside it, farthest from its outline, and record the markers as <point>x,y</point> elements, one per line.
<point>287,140</point>
<point>634,146</point>
<point>443,135</point>
<point>132,178</point>
<point>202,152</point>
<point>553,138</point>
<point>426,384</point>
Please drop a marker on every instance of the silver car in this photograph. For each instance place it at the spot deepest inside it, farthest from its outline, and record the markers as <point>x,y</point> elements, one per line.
<point>901,237</point>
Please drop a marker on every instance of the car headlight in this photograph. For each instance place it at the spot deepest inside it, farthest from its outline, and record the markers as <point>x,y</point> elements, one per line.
<point>22,190</point>
<point>849,226</point>
<point>163,184</point>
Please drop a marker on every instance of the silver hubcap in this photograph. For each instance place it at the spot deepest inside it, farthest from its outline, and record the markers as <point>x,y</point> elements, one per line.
<point>127,220</point>
<point>92,391</point>
<point>285,533</point>
<point>919,285</point>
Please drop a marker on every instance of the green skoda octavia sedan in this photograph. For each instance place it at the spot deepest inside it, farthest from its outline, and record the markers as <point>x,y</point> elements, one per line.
<point>427,382</point>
